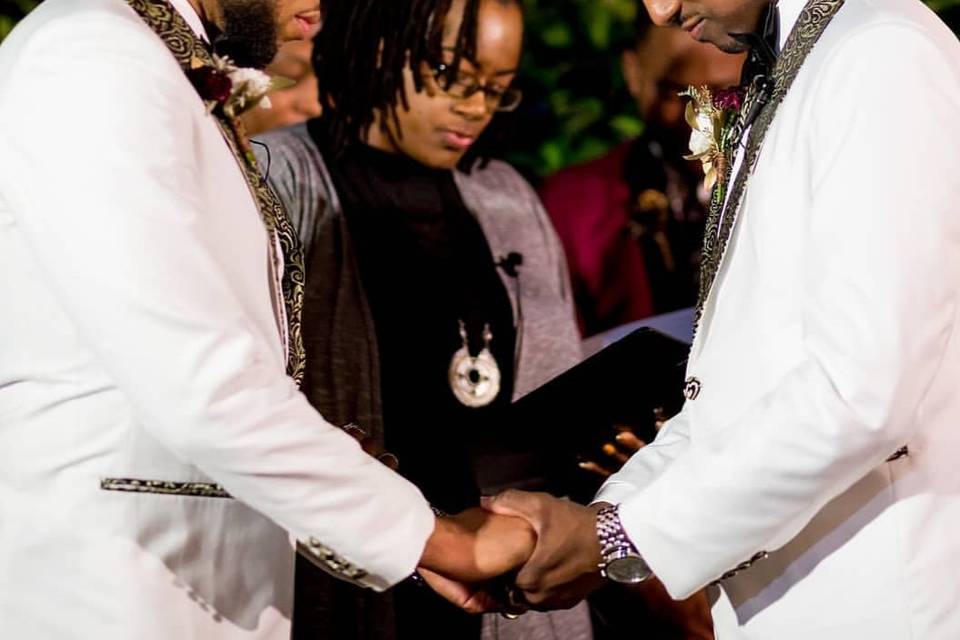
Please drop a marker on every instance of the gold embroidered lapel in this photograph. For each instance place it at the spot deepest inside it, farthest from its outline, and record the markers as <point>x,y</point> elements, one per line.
<point>813,21</point>
<point>189,50</point>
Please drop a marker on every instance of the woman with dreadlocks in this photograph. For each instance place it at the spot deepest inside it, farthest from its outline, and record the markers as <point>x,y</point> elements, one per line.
<point>436,289</point>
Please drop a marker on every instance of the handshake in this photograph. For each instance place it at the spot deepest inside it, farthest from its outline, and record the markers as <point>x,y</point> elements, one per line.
<point>518,551</point>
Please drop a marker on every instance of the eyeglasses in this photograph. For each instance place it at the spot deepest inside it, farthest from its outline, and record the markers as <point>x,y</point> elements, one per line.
<point>462,86</point>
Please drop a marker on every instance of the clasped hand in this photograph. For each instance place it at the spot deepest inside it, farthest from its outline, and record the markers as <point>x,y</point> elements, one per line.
<point>545,546</point>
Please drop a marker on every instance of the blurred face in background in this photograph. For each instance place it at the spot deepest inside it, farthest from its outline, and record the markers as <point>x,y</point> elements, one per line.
<point>443,121</point>
<point>664,63</point>
<point>289,106</point>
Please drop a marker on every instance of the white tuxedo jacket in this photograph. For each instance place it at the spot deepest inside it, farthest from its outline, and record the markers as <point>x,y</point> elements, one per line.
<point>138,342</point>
<point>830,340</point>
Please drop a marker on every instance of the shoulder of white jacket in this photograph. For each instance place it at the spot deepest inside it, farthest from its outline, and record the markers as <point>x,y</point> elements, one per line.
<point>878,26</point>
<point>84,30</point>
<point>871,45</point>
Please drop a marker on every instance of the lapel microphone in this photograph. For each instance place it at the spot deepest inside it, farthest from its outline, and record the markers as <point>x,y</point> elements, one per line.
<point>764,51</point>
<point>510,262</point>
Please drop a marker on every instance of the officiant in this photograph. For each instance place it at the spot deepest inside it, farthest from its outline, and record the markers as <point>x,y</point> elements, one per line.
<point>436,290</point>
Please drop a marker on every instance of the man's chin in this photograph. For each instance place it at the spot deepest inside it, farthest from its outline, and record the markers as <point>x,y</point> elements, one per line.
<point>720,38</point>
<point>246,55</point>
<point>247,31</point>
<point>727,43</point>
<point>730,45</point>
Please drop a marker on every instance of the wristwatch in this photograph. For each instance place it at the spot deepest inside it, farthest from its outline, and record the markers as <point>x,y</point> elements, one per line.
<point>620,560</point>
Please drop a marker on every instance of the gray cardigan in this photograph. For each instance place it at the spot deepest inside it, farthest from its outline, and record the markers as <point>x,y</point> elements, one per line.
<point>342,371</point>
<point>512,219</point>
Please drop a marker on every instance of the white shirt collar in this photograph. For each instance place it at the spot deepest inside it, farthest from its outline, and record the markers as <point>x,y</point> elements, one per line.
<point>185,9</point>
<point>789,14</point>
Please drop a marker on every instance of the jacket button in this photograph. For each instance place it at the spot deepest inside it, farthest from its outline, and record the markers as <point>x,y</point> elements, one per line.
<point>691,388</point>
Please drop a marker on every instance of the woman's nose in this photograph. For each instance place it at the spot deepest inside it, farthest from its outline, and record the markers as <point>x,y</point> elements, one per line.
<point>474,107</point>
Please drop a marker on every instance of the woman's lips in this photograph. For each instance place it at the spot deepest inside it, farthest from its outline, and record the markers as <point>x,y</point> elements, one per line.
<point>457,139</point>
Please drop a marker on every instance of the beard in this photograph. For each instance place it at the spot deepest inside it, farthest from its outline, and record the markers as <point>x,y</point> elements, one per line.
<point>731,45</point>
<point>249,34</point>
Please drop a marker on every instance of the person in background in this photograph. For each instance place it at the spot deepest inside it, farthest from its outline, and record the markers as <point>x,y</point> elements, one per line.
<point>631,222</point>
<point>291,105</point>
<point>436,288</point>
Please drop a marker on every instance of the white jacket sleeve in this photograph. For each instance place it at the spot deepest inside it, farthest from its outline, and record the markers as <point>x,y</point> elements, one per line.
<point>881,250</point>
<point>113,219</point>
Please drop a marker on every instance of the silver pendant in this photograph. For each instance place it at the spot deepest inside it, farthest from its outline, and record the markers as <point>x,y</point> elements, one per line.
<point>475,381</point>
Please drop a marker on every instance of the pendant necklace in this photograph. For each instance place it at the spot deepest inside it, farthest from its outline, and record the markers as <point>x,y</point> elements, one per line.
<point>474,380</point>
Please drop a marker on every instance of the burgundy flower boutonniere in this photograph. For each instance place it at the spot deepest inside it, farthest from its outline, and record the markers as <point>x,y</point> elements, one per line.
<point>729,99</point>
<point>711,118</point>
<point>231,90</point>
<point>213,85</point>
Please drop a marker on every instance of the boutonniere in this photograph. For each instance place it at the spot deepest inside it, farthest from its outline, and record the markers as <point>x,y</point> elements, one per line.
<point>232,89</point>
<point>711,118</point>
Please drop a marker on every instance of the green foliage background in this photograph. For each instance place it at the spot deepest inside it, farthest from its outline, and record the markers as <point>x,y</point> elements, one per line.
<point>11,11</point>
<point>575,106</point>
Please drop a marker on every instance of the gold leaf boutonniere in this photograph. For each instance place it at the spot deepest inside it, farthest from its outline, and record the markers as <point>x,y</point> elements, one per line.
<point>711,118</point>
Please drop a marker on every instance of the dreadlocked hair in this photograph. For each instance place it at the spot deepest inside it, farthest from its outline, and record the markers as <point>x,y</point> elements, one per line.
<point>362,50</point>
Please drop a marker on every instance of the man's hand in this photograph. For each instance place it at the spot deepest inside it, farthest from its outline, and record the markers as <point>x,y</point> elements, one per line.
<point>564,566</point>
<point>477,545</point>
<point>469,549</point>
<point>470,598</point>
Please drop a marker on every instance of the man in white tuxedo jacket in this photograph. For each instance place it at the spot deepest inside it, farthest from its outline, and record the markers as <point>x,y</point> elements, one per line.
<point>156,462</point>
<point>812,478</point>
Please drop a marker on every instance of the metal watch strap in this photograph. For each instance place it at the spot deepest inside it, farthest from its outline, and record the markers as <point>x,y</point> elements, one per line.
<point>620,561</point>
<point>613,539</point>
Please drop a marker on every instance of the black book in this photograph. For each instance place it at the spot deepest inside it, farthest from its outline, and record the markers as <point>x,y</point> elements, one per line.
<point>544,435</point>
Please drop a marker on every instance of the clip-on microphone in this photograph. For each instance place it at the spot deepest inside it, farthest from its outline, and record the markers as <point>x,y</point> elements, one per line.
<point>510,262</point>
<point>760,61</point>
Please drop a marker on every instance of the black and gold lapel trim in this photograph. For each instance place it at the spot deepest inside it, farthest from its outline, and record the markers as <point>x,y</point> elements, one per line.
<point>163,487</point>
<point>188,49</point>
<point>814,19</point>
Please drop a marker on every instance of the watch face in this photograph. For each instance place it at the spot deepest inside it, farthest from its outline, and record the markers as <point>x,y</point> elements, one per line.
<point>628,570</point>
